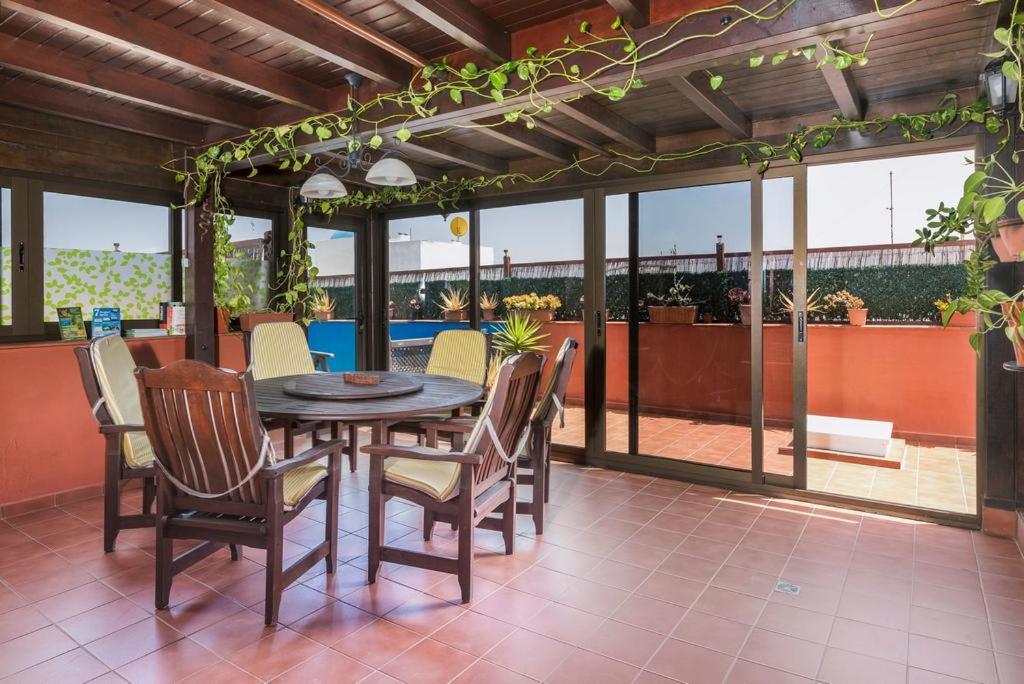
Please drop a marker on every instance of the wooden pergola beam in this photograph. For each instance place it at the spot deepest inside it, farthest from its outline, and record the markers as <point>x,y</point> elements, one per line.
<point>843,88</point>
<point>45,61</point>
<point>131,30</point>
<point>45,98</point>
<point>714,103</point>
<point>327,41</point>
<point>607,123</point>
<point>636,12</point>
<point>519,136</point>
<point>571,138</point>
<point>461,20</point>
<point>457,154</point>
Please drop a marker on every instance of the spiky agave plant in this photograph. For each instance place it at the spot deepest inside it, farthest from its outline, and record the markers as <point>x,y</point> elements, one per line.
<point>516,334</point>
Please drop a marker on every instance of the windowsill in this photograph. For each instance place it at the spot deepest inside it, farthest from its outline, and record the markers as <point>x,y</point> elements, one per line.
<point>69,343</point>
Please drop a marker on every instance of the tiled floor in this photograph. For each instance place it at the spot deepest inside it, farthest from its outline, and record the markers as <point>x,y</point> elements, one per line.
<point>930,476</point>
<point>635,580</point>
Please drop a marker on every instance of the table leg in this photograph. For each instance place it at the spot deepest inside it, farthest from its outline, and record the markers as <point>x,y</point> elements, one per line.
<point>353,445</point>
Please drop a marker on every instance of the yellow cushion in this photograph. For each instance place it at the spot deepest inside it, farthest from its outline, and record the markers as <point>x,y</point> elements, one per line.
<point>278,350</point>
<point>438,479</point>
<point>459,354</point>
<point>115,374</point>
<point>298,482</point>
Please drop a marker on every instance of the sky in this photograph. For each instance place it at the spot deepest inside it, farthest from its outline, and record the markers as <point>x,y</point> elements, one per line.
<point>847,205</point>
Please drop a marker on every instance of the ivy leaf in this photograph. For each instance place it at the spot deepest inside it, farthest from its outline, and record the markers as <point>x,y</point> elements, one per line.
<point>306,128</point>
<point>523,71</point>
<point>615,93</point>
<point>629,47</point>
<point>756,61</point>
<point>1002,36</point>
<point>403,134</point>
<point>456,95</point>
<point>716,81</point>
<point>285,163</point>
<point>574,69</point>
<point>779,57</point>
<point>531,51</point>
<point>992,209</point>
<point>471,69</point>
<point>1020,208</point>
<point>617,24</point>
<point>974,180</point>
<point>808,52</point>
<point>323,133</point>
<point>1011,70</point>
<point>375,142</point>
<point>584,26</point>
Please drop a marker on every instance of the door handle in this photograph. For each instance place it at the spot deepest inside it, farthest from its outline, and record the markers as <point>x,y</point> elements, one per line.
<point>800,327</point>
<point>598,323</point>
<point>21,256</point>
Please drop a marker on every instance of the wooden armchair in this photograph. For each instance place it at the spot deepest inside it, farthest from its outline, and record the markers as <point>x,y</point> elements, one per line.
<point>217,479</point>
<point>107,367</point>
<point>535,451</point>
<point>280,349</point>
<point>463,488</point>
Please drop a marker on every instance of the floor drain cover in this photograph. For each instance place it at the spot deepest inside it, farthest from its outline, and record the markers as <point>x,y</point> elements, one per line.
<point>787,588</point>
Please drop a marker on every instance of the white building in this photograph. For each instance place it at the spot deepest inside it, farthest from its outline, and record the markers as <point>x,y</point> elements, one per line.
<point>336,256</point>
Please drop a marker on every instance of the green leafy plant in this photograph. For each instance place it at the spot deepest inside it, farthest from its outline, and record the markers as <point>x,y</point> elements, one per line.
<point>737,296</point>
<point>532,302</point>
<point>843,301</point>
<point>453,299</point>
<point>231,289</point>
<point>516,334</point>
<point>679,294</point>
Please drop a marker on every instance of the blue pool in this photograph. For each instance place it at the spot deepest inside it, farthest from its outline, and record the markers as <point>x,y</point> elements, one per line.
<point>339,337</point>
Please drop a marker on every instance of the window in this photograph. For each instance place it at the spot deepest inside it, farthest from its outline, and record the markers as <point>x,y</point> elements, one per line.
<point>252,240</point>
<point>6,259</point>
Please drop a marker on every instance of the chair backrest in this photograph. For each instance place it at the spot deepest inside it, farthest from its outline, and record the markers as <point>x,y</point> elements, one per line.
<point>107,370</point>
<point>552,399</point>
<point>462,354</point>
<point>507,410</point>
<point>280,349</point>
<point>205,429</point>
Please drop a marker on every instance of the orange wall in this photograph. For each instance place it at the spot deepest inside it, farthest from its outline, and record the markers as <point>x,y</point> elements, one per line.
<point>922,378</point>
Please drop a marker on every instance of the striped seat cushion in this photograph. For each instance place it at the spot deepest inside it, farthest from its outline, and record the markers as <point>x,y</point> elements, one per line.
<point>279,350</point>
<point>459,354</point>
<point>115,375</point>
<point>298,482</point>
<point>437,479</point>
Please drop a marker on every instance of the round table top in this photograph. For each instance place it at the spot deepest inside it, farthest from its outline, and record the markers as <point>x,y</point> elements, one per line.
<point>439,393</point>
<point>327,386</point>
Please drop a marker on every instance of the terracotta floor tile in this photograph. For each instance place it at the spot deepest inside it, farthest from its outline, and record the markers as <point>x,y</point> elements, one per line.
<point>221,672</point>
<point>326,667</point>
<point>275,654</point>
<point>381,597</point>
<point>685,662</point>
<point>33,648</point>
<point>746,672</point>
<point>1011,668</point>
<point>21,621</point>
<point>428,662</point>
<point>77,600</point>
<point>485,672</point>
<point>744,581</point>
<point>332,622</point>
<point>844,667</point>
<point>1008,639</point>
<point>651,614</point>
<point>103,620</point>
<point>512,606</point>
<point>796,622</point>
<point>169,664</point>
<point>811,597</point>
<point>671,589</point>
<point>783,652</point>
<point>72,667</point>
<point>473,633</point>
<point>952,659</point>
<point>564,623</point>
<point>234,632</point>
<point>615,574</point>
<point>377,642</point>
<point>593,669</point>
<point>870,640</point>
<point>950,627</point>
<point>624,642</point>
<point>710,631</point>
<point>132,642</point>
<point>730,605</point>
<point>530,654</point>
<point>970,603</point>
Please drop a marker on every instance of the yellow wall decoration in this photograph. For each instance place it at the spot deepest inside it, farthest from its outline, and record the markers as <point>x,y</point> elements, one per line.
<point>459,226</point>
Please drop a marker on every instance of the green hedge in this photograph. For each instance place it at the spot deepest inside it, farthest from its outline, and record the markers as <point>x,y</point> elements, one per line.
<point>891,293</point>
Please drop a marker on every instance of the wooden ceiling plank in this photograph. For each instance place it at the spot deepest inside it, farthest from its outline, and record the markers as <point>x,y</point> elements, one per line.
<point>843,88</point>
<point>715,104</point>
<point>457,154</point>
<point>519,136</point>
<point>49,63</point>
<point>108,22</point>
<point>636,12</point>
<point>571,138</point>
<point>40,97</point>
<point>465,23</point>
<point>607,123</point>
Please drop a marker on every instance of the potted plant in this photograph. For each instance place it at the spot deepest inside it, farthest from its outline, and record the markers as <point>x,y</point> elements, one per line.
<point>540,309</point>
<point>323,306</point>
<point>814,304</point>
<point>851,303</point>
<point>516,334</point>
<point>488,303</point>
<point>232,292</point>
<point>677,306</point>
<point>741,298</point>
<point>454,302</point>
<point>391,310</point>
<point>950,317</point>
<point>414,308</point>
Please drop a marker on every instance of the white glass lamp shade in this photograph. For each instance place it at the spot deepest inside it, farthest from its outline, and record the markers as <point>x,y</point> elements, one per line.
<point>391,171</point>
<point>323,185</point>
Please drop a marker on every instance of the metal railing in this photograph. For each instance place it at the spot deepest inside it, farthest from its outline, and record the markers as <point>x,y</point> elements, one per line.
<point>411,356</point>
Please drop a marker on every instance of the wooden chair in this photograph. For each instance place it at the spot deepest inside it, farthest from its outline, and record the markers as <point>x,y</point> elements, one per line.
<point>107,369</point>
<point>535,451</point>
<point>462,488</point>
<point>464,354</point>
<point>278,350</point>
<point>217,480</point>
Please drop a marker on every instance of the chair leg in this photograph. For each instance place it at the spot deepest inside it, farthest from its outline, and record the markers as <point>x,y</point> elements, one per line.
<point>377,504</point>
<point>508,519</point>
<point>275,553</point>
<point>466,557</point>
<point>428,524</point>
<point>236,552</point>
<point>289,442</point>
<point>540,487</point>
<point>111,513</point>
<point>353,447</point>
<point>547,479</point>
<point>333,494</point>
<point>148,495</point>
<point>164,567</point>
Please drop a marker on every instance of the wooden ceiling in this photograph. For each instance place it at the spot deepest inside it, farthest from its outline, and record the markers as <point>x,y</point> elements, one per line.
<point>194,71</point>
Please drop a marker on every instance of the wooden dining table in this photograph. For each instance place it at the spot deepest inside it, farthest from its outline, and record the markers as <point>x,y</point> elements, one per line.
<point>326,397</point>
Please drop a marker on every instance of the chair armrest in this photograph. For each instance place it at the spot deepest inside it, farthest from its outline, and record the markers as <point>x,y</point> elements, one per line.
<point>120,429</point>
<point>458,424</point>
<point>422,454</point>
<point>311,455</point>
<point>326,355</point>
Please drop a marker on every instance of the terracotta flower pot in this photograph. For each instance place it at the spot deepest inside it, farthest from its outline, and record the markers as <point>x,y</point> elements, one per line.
<point>324,315</point>
<point>253,318</point>
<point>1013,311</point>
<point>745,314</point>
<point>391,312</point>
<point>857,317</point>
<point>707,318</point>
<point>1011,234</point>
<point>223,320</point>
<point>453,316</point>
<point>963,320</point>
<point>487,314</point>
<point>683,315</point>
<point>541,315</point>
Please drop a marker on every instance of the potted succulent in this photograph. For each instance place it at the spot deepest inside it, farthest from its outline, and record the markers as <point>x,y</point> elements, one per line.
<point>677,306</point>
<point>488,303</point>
<point>454,302</point>
<point>414,308</point>
<point>539,308</point>
<point>391,310</point>
<point>323,306</point>
<point>516,334</point>
<point>950,317</point>
<point>741,298</point>
<point>814,304</point>
<point>851,303</point>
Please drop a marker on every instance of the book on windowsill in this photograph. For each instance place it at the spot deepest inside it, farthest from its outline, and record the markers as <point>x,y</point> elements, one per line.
<point>106,320</point>
<point>141,333</point>
<point>72,326</point>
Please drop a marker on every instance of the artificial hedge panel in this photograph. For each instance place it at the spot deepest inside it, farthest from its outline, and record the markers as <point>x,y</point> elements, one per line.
<point>903,294</point>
